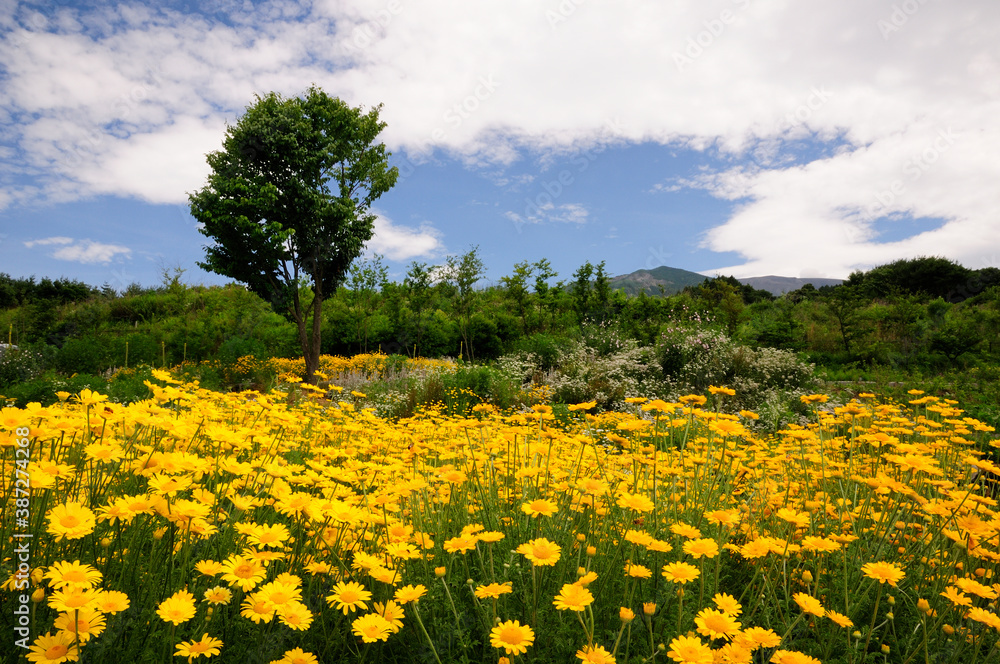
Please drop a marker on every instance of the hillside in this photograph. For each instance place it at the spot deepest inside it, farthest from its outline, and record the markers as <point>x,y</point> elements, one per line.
<point>672,279</point>
<point>780,285</point>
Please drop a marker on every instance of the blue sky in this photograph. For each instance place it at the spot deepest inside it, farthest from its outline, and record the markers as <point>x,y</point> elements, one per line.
<point>744,137</point>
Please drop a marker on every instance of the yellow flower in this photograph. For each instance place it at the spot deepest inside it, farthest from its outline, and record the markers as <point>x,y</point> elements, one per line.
<point>839,618</point>
<point>372,627</point>
<point>280,593</point>
<point>595,655</point>
<point>177,608</point>
<point>392,612</point>
<point>635,501</point>
<point>218,595</point>
<point>297,656</point>
<point>73,599</point>
<point>295,615</point>
<point>243,572</point>
<point>727,604</point>
<point>512,636</point>
<point>956,597</point>
<point>460,544</point>
<point>809,604</point>
<point>53,649</point>
<point>408,594</point>
<point>573,597</point>
<point>638,571</point>
<point>759,637</point>
<point>697,548</point>
<point>799,519</point>
<point>689,650</point>
<point>268,535</point>
<point>792,657</point>
<point>680,572</point>
<point>493,590</point>
<point>539,507</point>
<point>715,624</point>
<point>208,567</point>
<point>74,574</point>
<point>88,623</point>
<point>540,551</point>
<point>685,530</point>
<point>883,572</point>
<point>111,601</point>
<point>207,646</point>
<point>256,608</point>
<point>348,597</point>
<point>626,614</point>
<point>71,521</point>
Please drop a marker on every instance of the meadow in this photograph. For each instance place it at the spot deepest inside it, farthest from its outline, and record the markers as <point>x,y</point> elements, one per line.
<point>300,526</point>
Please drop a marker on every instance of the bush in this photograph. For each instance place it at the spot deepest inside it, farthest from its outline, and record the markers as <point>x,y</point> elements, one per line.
<point>20,364</point>
<point>82,355</point>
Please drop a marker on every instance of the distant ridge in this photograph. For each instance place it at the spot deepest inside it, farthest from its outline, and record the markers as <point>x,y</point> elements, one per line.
<point>780,285</point>
<point>674,280</point>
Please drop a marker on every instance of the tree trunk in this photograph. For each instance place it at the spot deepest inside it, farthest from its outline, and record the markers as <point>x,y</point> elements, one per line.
<point>311,349</point>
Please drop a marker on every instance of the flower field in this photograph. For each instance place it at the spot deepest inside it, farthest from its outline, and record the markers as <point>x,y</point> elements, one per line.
<point>299,527</point>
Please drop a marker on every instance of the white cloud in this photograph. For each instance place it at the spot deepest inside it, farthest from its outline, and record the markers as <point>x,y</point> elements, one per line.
<point>548,212</point>
<point>81,251</point>
<point>126,101</point>
<point>47,241</point>
<point>400,243</point>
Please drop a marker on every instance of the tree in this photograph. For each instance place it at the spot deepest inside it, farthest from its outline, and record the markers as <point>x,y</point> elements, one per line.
<point>464,272</point>
<point>366,280</point>
<point>516,286</point>
<point>287,202</point>
<point>418,284</point>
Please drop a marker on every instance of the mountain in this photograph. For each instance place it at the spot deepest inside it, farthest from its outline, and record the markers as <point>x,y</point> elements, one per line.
<point>780,285</point>
<point>672,279</point>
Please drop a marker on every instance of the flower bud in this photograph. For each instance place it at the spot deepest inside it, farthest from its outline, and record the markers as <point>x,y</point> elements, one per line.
<point>440,571</point>
<point>807,576</point>
<point>38,595</point>
<point>923,605</point>
<point>626,614</point>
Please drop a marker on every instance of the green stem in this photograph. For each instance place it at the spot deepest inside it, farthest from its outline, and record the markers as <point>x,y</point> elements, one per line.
<point>416,612</point>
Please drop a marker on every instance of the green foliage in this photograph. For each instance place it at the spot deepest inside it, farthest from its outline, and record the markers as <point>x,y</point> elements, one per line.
<point>928,276</point>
